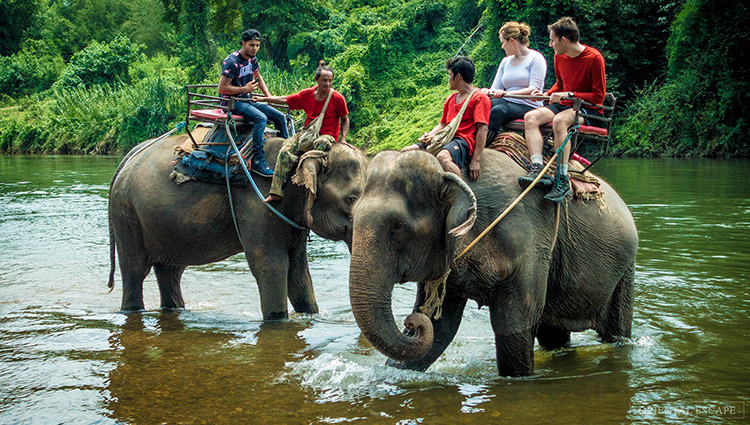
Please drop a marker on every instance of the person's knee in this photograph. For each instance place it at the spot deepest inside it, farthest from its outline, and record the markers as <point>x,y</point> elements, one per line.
<point>562,121</point>
<point>497,117</point>
<point>445,158</point>
<point>260,119</point>
<point>532,118</point>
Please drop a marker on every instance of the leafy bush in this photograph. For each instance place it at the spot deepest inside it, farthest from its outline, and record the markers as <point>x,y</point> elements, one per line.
<point>18,134</point>
<point>699,110</point>
<point>101,63</point>
<point>31,70</point>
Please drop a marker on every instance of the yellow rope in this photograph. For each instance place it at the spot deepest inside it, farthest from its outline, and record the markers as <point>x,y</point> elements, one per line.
<point>435,289</point>
<point>510,207</point>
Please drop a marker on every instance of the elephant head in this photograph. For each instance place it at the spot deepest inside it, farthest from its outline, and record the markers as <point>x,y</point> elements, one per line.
<point>334,182</point>
<point>405,229</point>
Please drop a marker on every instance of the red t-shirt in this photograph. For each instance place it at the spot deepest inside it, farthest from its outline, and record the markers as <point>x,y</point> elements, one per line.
<point>583,75</point>
<point>478,111</point>
<point>305,100</point>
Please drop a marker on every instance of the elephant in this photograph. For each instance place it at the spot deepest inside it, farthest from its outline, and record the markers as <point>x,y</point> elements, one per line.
<point>153,222</point>
<point>413,219</point>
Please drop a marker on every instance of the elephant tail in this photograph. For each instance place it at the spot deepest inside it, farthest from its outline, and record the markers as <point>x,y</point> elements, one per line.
<point>111,283</point>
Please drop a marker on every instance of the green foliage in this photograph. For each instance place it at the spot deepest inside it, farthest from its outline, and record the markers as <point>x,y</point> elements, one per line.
<point>31,70</point>
<point>279,21</point>
<point>700,109</point>
<point>198,48</point>
<point>101,63</point>
<point>18,134</point>
<point>406,119</point>
<point>73,24</point>
<point>16,18</point>
<point>676,67</point>
<point>110,118</point>
<point>146,25</point>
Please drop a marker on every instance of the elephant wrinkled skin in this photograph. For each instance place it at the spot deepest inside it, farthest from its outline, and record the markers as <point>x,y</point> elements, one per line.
<point>413,219</point>
<point>156,223</point>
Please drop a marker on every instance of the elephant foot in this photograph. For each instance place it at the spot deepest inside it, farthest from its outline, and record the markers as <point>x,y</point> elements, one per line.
<point>276,316</point>
<point>515,354</point>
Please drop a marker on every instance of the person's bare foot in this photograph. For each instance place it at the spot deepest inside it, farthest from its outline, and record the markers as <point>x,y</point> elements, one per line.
<point>272,198</point>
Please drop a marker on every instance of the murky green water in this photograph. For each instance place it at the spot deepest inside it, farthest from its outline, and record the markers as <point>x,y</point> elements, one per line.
<point>68,356</point>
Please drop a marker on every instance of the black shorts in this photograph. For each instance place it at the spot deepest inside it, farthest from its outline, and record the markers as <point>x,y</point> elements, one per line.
<point>557,108</point>
<point>459,150</point>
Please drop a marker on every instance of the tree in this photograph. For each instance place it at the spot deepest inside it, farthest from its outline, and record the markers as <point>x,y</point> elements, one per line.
<point>101,63</point>
<point>17,16</point>
<point>280,21</point>
<point>199,51</point>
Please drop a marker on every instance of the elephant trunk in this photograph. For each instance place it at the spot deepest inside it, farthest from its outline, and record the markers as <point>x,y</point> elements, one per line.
<point>370,288</point>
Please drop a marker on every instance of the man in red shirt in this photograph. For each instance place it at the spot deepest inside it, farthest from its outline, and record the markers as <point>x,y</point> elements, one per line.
<point>468,143</point>
<point>579,70</point>
<point>311,100</point>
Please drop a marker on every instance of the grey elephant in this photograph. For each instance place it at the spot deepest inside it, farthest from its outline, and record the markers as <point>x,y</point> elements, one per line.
<point>413,219</point>
<point>155,223</point>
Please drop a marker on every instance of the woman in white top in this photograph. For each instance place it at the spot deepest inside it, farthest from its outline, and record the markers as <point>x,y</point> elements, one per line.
<point>522,71</point>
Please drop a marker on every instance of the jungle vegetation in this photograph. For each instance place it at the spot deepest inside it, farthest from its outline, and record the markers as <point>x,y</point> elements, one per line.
<point>99,76</point>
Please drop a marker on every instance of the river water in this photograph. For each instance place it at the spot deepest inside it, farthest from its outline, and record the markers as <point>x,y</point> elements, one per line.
<point>68,356</point>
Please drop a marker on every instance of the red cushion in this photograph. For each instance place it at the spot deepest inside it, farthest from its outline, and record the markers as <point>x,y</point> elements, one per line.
<point>213,114</point>
<point>582,129</point>
<point>589,129</point>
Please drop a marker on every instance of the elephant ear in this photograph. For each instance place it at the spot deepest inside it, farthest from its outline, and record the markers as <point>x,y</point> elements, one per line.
<point>462,210</point>
<point>308,169</point>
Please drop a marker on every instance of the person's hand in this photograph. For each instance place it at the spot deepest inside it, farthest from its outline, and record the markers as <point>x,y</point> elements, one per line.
<point>536,92</point>
<point>261,99</point>
<point>486,91</point>
<point>474,170</point>
<point>557,96</point>
<point>498,93</point>
<point>412,147</point>
<point>426,138</point>
<point>251,86</point>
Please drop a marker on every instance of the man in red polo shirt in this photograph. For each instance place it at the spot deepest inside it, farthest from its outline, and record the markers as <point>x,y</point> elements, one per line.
<point>579,70</point>
<point>467,145</point>
<point>311,100</point>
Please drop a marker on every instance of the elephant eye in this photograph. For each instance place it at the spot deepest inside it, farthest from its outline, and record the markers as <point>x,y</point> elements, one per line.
<point>351,199</point>
<point>399,227</point>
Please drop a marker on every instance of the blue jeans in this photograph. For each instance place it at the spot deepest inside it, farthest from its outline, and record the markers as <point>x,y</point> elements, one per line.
<point>260,113</point>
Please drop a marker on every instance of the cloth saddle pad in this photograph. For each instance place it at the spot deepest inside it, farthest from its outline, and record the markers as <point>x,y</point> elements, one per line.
<point>585,185</point>
<point>207,162</point>
<point>202,166</point>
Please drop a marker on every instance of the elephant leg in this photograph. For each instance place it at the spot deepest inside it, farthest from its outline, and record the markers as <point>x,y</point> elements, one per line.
<point>270,267</point>
<point>551,338</point>
<point>616,319</point>
<point>134,268</point>
<point>515,316</point>
<point>299,282</point>
<point>168,278</point>
<point>444,329</point>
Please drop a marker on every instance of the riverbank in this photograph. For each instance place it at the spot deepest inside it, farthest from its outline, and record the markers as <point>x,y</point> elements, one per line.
<point>112,120</point>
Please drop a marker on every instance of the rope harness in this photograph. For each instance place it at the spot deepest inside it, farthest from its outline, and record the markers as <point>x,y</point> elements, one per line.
<point>435,289</point>
<point>231,123</point>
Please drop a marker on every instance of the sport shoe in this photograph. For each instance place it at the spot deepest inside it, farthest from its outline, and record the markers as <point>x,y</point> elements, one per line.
<point>561,190</point>
<point>260,167</point>
<point>544,183</point>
